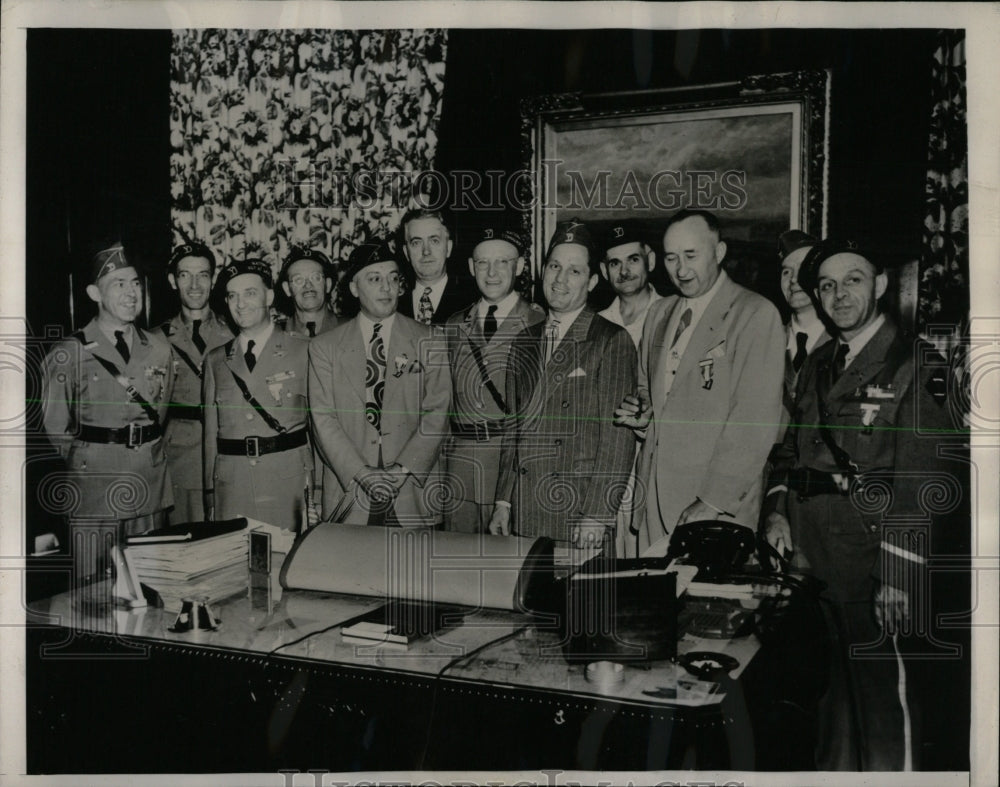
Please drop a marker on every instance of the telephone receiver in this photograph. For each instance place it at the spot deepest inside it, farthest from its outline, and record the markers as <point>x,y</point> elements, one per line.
<point>717,547</point>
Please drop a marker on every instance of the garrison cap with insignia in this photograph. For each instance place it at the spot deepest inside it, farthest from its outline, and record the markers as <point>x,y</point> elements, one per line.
<point>792,240</point>
<point>368,254</point>
<point>240,267</point>
<point>572,231</point>
<point>193,249</point>
<point>620,234</point>
<point>821,252</point>
<point>109,260</point>
<point>500,233</point>
<point>301,253</point>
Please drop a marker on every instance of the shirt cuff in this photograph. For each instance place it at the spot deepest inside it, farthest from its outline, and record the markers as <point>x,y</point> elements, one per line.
<point>504,503</point>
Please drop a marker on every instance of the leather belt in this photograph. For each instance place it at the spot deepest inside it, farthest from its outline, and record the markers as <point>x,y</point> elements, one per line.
<point>186,412</point>
<point>480,431</point>
<point>131,436</point>
<point>809,483</point>
<point>258,446</point>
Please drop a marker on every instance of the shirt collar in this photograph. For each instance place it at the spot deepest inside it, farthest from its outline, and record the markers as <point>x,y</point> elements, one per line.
<point>812,332</point>
<point>699,303</point>
<point>504,307</point>
<point>259,340</point>
<point>368,327</point>
<point>566,319</point>
<point>857,344</point>
<point>437,289</point>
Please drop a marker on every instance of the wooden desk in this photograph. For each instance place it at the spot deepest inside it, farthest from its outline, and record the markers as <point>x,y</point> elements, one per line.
<point>116,691</point>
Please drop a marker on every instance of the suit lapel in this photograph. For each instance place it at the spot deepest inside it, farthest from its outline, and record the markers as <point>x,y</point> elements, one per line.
<point>401,343</point>
<point>352,359</point>
<point>569,351</point>
<point>867,365</point>
<point>708,332</point>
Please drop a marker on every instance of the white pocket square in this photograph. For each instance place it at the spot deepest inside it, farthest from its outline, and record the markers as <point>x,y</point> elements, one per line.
<point>577,372</point>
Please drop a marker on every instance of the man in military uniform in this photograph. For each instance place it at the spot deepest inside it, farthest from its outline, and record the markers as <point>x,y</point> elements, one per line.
<point>257,456</point>
<point>307,279</point>
<point>479,342</point>
<point>104,403</point>
<point>192,332</point>
<point>846,501</point>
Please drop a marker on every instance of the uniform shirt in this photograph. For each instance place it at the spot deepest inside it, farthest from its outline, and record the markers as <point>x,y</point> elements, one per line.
<point>214,331</point>
<point>326,322</point>
<point>504,308</point>
<point>857,344</point>
<point>813,332</point>
<point>614,314</point>
<point>437,291</point>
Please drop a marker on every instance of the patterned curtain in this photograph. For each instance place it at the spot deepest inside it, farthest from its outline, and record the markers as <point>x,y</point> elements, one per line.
<point>285,137</point>
<point>943,309</point>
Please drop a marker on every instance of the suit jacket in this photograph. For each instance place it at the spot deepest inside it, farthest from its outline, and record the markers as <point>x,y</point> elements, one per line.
<point>414,416</point>
<point>711,434</point>
<point>459,292</point>
<point>890,416</point>
<point>472,465</point>
<point>562,458</point>
<point>268,487</point>
<point>108,481</point>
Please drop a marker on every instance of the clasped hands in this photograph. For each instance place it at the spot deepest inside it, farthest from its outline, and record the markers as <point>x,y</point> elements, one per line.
<point>635,411</point>
<point>382,483</point>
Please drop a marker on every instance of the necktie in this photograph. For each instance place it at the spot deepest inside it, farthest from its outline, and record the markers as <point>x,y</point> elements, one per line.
<point>800,350</point>
<point>249,357</point>
<point>311,327</point>
<point>490,323</point>
<point>121,346</point>
<point>840,361</point>
<point>375,378</point>
<point>551,334</point>
<point>196,336</point>
<point>682,325</point>
<point>426,309</point>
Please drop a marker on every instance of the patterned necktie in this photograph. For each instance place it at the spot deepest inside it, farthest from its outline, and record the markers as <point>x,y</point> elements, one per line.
<point>682,325</point>
<point>249,357</point>
<point>800,350</point>
<point>840,361</point>
<point>425,312</point>
<point>490,323</point>
<point>121,346</point>
<point>375,378</point>
<point>551,334</point>
<point>311,327</point>
<point>196,336</point>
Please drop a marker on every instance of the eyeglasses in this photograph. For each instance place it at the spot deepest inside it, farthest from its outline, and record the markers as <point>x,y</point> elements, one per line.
<point>486,263</point>
<point>299,279</point>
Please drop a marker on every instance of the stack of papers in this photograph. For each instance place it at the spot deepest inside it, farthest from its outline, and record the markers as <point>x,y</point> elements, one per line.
<point>206,561</point>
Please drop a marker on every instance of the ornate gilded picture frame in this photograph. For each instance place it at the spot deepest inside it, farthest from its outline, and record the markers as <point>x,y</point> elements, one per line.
<point>753,151</point>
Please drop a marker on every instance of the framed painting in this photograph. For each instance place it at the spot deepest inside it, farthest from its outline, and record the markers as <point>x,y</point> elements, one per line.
<point>754,152</point>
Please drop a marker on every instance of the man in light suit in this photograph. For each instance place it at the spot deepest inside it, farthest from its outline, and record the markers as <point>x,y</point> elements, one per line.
<point>805,331</point>
<point>479,343</point>
<point>257,459</point>
<point>564,465</point>
<point>379,393</point>
<point>709,393</point>
<point>437,292</point>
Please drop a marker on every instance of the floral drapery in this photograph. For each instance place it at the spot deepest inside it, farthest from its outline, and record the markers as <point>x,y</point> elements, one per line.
<point>944,266</point>
<point>283,137</point>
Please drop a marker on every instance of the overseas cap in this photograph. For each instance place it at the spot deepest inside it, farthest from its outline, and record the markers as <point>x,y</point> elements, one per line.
<point>108,261</point>
<point>792,240</point>
<point>250,265</point>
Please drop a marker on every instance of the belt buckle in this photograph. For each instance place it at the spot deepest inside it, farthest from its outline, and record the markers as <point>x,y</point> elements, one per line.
<point>482,431</point>
<point>252,446</point>
<point>134,435</point>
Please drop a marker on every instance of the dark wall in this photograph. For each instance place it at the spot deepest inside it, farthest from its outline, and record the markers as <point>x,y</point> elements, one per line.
<point>97,159</point>
<point>879,104</point>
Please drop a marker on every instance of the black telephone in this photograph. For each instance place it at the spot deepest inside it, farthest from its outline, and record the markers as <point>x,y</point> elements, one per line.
<point>717,547</point>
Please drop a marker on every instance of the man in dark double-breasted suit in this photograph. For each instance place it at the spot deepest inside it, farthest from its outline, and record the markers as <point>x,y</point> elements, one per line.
<point>257,459</point>
<point>564,465</point>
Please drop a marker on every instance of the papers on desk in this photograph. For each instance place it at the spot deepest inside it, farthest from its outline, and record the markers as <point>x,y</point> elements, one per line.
<point>685,574</point>
<point>208,562</point>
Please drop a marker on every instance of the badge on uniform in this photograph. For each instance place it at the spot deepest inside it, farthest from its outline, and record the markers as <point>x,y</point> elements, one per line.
<point>275,383</point>
<point>878,392</point>
<point>707,370</point>
<point>868,412</point>
<point>155,377</point>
